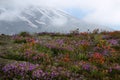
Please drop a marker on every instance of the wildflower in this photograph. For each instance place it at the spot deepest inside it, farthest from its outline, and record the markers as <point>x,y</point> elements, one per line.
<point>86,67</point>
<point>110,69</point>
<point>66,58</point>
<point>116,67</point>
<point>98,58</point>
<point>18,69</point>
<point>113,42</point>
<point>54,74</point>
<point>38,74</point>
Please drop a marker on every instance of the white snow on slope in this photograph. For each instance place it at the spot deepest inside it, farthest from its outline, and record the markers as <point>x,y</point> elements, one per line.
<point>40,22</point>
<point>29,22</point>
<point>44,12</point>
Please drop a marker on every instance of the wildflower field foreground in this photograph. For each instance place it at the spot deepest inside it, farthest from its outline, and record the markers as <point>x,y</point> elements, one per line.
<point>55,56</point>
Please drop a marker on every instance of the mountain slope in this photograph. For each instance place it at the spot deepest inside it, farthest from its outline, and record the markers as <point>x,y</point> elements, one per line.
<point>39,19</point>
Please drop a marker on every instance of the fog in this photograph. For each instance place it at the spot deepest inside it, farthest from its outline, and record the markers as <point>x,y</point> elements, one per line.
<point>98,11</point>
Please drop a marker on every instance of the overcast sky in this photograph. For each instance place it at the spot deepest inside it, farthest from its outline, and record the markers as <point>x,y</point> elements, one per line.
<point>96,11</point>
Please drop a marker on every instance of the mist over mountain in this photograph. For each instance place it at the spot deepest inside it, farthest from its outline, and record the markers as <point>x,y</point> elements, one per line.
<point>41,19</point>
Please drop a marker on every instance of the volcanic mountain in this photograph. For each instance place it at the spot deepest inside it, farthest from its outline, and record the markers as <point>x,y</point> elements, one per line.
<point>39,19</point>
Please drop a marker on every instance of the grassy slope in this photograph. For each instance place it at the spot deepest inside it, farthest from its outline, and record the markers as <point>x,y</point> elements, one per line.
<point>70,51</point>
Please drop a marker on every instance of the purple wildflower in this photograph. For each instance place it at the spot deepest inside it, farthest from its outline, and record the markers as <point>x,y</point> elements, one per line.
<point>18,68</point>
<point>86,67</point>
<point>113,42</point>
<point>38,74</point>
<point>117,67</point>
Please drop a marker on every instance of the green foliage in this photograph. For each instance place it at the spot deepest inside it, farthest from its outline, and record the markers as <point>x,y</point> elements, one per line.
<point>75,69</point>
<point>82,57</point>
<point>20,41</point>
<point>74,56</point>
<point>24,34</point>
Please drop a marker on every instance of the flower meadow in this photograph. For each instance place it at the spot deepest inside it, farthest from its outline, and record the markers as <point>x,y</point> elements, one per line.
<point>54,56</point>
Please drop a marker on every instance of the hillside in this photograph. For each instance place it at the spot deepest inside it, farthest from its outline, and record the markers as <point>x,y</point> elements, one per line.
<point>55,56</point>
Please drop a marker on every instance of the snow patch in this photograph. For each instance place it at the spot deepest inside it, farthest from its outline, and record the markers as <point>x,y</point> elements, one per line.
<point>39,22</point>
<point>29,22</point>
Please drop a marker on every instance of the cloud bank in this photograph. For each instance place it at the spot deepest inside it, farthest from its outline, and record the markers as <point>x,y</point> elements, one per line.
<point>99,11</point>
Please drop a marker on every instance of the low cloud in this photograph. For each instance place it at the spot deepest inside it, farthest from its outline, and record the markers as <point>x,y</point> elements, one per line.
<point>101,11</point>
<point>59,21</point>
